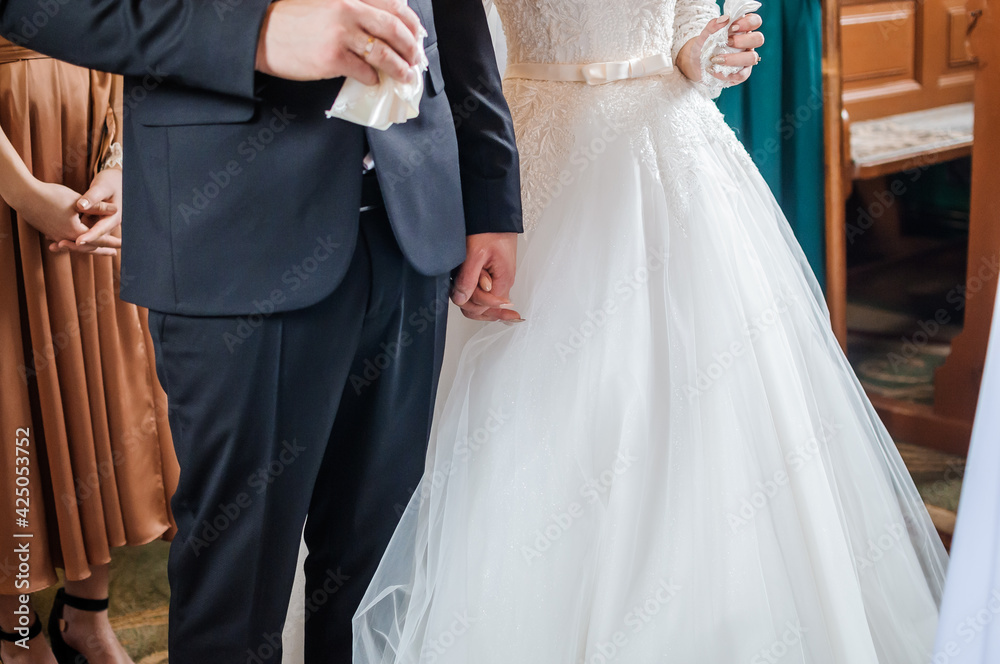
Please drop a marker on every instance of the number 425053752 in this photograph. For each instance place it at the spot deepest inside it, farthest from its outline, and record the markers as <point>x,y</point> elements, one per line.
<point>22,462</point>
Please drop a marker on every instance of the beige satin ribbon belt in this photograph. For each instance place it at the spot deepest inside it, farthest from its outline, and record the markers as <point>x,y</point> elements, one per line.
<point>596,73</point>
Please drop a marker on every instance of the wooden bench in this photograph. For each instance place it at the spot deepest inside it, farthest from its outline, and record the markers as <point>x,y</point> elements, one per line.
<point>896,143</point>
<point>899,81</point>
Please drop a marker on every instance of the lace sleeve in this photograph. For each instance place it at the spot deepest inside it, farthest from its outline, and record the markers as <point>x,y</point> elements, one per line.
<point>690,19</point>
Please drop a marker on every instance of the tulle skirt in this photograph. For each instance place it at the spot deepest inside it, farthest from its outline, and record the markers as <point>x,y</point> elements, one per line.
<point>670,461</point>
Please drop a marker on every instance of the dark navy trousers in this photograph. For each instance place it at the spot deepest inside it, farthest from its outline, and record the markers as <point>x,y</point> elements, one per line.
<point>323,411</point>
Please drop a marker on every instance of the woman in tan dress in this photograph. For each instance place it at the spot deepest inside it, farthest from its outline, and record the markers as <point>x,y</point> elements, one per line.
<point>86,462</point>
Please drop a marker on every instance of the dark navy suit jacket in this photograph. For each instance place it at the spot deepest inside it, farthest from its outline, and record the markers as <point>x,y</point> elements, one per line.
<point>240,195</point>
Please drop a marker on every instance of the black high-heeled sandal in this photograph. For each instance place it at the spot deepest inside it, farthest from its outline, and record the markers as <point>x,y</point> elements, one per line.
<point>64,654</point>
<point>13,637</point>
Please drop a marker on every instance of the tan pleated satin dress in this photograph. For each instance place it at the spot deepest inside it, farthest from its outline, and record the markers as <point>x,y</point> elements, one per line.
<point>76,363</point>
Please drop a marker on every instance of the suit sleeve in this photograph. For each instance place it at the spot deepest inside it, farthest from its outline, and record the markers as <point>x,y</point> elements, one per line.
<point>491,182</point>
<point>205,44</point>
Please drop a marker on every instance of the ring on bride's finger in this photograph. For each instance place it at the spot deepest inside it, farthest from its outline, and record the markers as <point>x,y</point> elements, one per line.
<point>758,58</point>
<point>369,46</point>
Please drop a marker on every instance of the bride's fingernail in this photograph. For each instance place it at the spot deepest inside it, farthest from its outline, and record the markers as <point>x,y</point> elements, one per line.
<point>505,306</point>
<point>724,18</point>
<point>512,321</point>
<point>718,60</point>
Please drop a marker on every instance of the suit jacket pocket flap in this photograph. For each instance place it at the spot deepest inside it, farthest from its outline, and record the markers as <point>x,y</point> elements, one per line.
<point>171,105</point>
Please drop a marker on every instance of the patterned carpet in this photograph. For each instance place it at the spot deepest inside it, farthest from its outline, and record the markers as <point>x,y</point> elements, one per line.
<point>139,597</point>
<point>895,355</point>
<point>884,369</point>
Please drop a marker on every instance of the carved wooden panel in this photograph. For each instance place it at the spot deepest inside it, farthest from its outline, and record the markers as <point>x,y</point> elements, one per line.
<point>958,42</point>
<point>904,55</point>
<point>878,42</point>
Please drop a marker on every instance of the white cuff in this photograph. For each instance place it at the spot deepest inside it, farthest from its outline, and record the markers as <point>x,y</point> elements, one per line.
<point>115,157</point>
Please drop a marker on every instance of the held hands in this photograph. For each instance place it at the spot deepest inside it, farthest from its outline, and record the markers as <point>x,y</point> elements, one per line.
<point>307,40</point>
<point>742,34</point>
<point>81,224</point>
<point>482,286</point>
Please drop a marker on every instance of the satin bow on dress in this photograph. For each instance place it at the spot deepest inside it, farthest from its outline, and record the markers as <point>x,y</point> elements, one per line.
<point>596,73</point>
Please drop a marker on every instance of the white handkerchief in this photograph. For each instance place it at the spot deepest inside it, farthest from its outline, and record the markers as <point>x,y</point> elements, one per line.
<point>717,43</point>
<point>387,103</point>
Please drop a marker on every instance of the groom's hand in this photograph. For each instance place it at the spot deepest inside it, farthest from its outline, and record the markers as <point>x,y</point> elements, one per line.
<point>485,296</point>
<point>309,40</point>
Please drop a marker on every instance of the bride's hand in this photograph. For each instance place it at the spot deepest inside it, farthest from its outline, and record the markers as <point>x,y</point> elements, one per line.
<point>742,35</point>
<point>483,283</point>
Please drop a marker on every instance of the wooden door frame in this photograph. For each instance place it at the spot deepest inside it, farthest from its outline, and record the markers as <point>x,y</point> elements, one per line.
<point>833,128</point>
<point>964,365</point>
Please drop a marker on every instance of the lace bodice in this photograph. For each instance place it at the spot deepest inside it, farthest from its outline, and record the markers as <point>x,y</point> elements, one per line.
<point>664,117</point>
<point>584,31</point>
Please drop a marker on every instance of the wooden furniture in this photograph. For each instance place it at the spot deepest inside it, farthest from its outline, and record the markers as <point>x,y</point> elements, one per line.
<point>910,61</point>
<point>904,55</point>
<point>944,521</point>
<point>884,58</point>
<point>834,153</point>
<point>968,350</point>
<point>918,139</point>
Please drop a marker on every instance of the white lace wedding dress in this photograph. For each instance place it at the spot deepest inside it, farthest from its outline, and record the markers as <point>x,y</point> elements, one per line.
<point>671,460</point>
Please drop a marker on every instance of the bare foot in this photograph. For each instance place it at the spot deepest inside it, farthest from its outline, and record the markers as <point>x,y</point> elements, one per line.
<point>37,652</point>
<point>90,633</point>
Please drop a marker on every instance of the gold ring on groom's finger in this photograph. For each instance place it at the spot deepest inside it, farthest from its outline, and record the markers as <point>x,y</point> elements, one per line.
<point>369,46</point>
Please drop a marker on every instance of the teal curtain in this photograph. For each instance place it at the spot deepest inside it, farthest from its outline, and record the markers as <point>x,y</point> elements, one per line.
<point>778,114</point>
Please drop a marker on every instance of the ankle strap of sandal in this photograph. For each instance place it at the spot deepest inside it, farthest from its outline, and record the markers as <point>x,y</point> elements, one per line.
<point>33,631</point>
<point>82,603</point>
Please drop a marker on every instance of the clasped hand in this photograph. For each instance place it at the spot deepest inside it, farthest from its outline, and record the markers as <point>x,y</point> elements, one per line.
<point>75,223</point>
<point>483,282</point>
<point>742,34</point>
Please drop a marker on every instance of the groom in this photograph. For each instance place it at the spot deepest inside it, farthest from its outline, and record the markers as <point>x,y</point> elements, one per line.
<point>297,304</point>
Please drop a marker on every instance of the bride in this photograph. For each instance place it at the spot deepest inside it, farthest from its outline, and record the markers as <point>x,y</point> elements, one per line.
<point>670,459</point>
